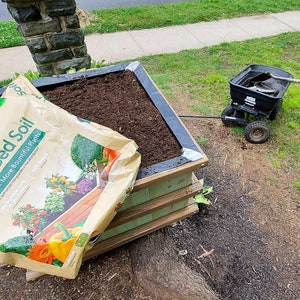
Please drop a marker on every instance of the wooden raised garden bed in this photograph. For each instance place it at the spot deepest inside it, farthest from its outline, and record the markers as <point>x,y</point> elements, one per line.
<point>124,98</point>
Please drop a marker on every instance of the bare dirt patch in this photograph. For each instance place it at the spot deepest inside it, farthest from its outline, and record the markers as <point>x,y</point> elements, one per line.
<point>253,224</point>
<point>246,245</point>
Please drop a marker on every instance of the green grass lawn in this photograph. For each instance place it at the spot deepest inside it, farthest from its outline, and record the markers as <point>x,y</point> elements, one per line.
<point>152,16</point>
<point>182,13</point>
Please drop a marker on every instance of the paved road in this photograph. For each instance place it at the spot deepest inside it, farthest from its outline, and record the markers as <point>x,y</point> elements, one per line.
<point>98,4</point>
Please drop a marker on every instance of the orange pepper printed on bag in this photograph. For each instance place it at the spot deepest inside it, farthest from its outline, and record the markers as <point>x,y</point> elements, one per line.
<point>62,242</point>
<point>110,156</point>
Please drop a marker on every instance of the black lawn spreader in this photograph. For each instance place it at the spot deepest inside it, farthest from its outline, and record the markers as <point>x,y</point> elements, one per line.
<point>256,94</point>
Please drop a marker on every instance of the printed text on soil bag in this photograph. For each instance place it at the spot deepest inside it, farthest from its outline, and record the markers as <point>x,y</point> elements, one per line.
<point>20,158</point>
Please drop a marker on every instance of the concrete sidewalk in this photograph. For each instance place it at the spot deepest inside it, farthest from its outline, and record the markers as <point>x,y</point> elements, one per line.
<point>130,45</point>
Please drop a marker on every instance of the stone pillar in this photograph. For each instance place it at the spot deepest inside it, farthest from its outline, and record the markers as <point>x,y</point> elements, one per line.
<point>52,32</point>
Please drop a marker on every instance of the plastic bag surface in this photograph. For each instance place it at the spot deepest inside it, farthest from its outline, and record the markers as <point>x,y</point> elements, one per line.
<point>62,180</point>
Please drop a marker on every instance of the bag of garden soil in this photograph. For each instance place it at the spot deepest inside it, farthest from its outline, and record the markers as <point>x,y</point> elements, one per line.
<point>62,180</point>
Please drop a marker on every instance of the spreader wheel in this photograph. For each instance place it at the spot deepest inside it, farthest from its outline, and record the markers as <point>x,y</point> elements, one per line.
<point>229,111</point>
<point>257,132</point>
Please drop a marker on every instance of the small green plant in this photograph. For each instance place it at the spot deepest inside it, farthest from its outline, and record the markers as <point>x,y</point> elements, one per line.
<point>126,259</point>
<point>298,184</point>
<point>29,294</point>
<point>203,141</point>
<point>275,162</point>
<point>281,155</point>
<point>293,125</point>
<point>30,75</point>
<point>5,82</point>
<point>201,197</point>
<point>97,64</point>
<point>54,202</point>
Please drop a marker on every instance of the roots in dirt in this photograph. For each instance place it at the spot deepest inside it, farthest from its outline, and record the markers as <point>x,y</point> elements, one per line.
<point>160,270</point>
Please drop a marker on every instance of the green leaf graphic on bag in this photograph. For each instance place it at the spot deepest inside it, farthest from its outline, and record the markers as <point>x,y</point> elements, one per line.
<point>18,244</point>
<point>84,151</point>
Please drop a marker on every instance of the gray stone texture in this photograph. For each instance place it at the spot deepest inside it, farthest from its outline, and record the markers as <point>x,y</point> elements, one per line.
<point>52,33</point>
<point>65,39</point>
<point>53,56</point>
<point>46,69</point>
<point>60,8</point>
<point>39,27</point>
<point>79,51</point>
<point>76,63</point>
<point>70,22</point>
<point>25,14</point>
<point>36,45</point>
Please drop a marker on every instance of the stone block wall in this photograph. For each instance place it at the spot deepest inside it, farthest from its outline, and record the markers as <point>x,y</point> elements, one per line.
<point>52,32</point>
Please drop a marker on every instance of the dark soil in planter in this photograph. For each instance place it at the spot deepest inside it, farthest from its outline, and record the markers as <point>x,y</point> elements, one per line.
<point>118,101</point>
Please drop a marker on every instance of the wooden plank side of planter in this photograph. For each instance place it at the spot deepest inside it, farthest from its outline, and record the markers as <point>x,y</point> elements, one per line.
<point>155,204</point>
<point>187,168</point>
<point>140,231</point>
<point>139,221</point>
<point>156,190</point>
<point>128,222</point>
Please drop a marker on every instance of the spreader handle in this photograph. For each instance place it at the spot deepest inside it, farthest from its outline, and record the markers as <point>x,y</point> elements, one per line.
<point>285,78</point>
